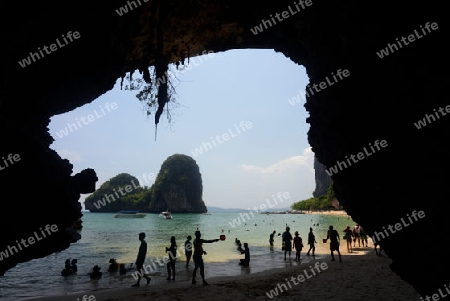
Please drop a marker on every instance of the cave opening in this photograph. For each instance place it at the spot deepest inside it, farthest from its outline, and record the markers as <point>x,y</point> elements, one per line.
<point>253,99</point>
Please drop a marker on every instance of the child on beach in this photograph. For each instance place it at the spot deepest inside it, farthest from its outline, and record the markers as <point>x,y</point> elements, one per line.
<point>298,245</point>
<point>172,250</point>
<point>188,249</point>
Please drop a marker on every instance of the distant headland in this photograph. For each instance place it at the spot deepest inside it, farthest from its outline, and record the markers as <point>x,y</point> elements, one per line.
<point>177,188</point>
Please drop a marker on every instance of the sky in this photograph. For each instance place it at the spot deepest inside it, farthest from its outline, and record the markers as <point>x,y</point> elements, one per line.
<point>241,96</point>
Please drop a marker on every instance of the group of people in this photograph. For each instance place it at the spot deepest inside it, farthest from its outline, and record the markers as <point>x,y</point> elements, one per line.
<point>289,243</point>
<point>192,249</point>
<point>70,267</point>
<point>355,235</point>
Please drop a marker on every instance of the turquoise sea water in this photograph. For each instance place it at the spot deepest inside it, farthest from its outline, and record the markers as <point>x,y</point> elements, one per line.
<point>105,237</point>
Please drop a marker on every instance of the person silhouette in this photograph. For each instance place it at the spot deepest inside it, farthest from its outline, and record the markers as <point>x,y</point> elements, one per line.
<point>287,242</point>
<point>114,266</point>
<point>73,265</point>
<point>122,269</point>
<point>198,256</point>
<point>311,242</point>
<point>188,249</point>
<point>96,274</point>
<point>172,250</point>
<point>333,235</point>
<point>271,238</point>
<point>67,268</point>
<point>246,261</point>
<point>140,260</point>
<point>298,245</point>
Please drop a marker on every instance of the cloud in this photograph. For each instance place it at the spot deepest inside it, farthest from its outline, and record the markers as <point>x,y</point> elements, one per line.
<point>71,156</point>
<point>291,163</point>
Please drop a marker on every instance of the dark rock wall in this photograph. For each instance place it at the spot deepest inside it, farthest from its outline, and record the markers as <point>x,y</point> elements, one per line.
<point>380,99</point>
<point>323,180</point>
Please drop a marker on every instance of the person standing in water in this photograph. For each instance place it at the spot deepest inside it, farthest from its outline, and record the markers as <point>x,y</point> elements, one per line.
<point>271,240</point>
<point>287,242</point>
<point>141,259</point>
<point>172,250</point>
<point>298,245</point>
<point>188,249</point>
<point>198,256</point>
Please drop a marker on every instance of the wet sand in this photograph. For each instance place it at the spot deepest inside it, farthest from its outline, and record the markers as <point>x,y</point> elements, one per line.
<point>361,275</point>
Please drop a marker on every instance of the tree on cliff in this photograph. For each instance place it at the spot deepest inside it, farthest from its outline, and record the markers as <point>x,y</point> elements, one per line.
<point>121,192</point>
<point>324,201</point>
<point>178,186</point>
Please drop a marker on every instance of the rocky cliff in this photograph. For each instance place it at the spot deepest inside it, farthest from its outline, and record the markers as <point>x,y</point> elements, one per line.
<point>375,70</point>
<point>178,187</point>
<point>323,180</point>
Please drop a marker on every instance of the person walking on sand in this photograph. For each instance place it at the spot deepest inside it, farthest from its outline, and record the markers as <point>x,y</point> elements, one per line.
<point>357,235</point>
<point>311,242</point>
<point>188,249</point>
<point>271,240</point>
<point>298,245</point>
<point>363,234</point>
<point>198,256</point>
<point>333,236</point>
<point>140,260</point>
<point>348,236</point>
<point>172,250</point>
<point>287,238</point>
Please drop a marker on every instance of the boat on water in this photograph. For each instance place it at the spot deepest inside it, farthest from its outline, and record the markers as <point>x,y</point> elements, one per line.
<point>129,214</point>
<point>166,214</point>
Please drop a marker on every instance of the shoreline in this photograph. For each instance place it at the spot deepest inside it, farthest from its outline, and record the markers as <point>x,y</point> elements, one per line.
<point>329,212</point>
<point>361,273</point>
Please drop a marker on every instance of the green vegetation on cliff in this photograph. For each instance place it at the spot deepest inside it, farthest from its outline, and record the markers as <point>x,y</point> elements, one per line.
<point>178,187</point>
<point>322,202</point>
<point>121,192</point>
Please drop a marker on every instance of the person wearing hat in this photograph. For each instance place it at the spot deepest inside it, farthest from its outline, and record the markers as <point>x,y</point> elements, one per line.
<point>96,274</point>
<point>114,265</point>
<point>198,256</point>
<point>140,260</point>
<point>188,249</point>
<point>298,245</point>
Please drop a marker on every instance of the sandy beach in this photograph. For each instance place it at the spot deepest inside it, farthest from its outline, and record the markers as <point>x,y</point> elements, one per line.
<point>362,275</point>
<point>329,212</point>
